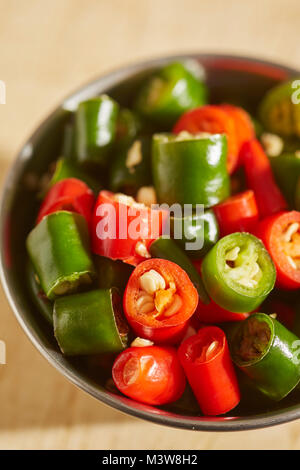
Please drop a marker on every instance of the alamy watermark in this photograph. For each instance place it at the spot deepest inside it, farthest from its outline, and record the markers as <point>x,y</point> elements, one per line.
<point>296,94</point>
<point>2,92</point>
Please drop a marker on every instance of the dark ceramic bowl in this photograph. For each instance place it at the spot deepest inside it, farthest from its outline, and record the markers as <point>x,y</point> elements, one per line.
<point>236,79</point>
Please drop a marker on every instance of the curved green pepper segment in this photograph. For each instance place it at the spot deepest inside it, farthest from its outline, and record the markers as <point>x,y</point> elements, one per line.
<point>280,109</point>
<point>171,91</point>
<point>66,169</point>
<point>166,248</point>
<point>95,130</point>
<point>268,353</point>
<point>195,229</point>
<point>112,273</point>
<point>286,169</point>
<point>59,250</point>
<point>90,323</point>
<point>131,168</point>
<point>128,127</point>
<point>238,272</point>
<point>190,169</point>
<point>43,304</point>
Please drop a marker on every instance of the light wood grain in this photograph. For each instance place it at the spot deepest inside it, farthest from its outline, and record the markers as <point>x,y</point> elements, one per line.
<point>48,48</point>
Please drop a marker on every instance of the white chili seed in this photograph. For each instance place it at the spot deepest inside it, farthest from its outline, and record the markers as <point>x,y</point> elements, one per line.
<point>174,307</point>
<point>293,228</point>
<point>141,342</point>
<point>151,281</point>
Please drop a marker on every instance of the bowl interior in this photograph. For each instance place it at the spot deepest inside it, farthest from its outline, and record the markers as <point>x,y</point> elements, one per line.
<point>232,79</point>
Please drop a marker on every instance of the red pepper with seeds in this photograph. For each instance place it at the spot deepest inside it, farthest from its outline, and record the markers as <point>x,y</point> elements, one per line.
<point>151,374</point>
<point>281,236</point>
<point>70,194</point>
<point>260,178</point>
<point>159,300</point>
<point>207,364</point>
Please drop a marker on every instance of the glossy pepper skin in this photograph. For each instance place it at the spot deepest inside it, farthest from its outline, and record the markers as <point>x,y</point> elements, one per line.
<point>90,323</point>
<point>206,361</point>
<point>279,113</point>
<point>151,375</point>
<point>129,126</point>
<point>260,179</point>
<point>155,325</point>
<point>95,130</point>
<point>65,168</point>
<point>170,91</point>
<point>189,169</point>
<point>42,303</point>
<point>166,248</point>
<point>69,194</point>
<point>239,213</point>
<point>196,228</point>
<point>59,250</point>
<point>284,249</point>
<point>274,366</point>
<point>127,177</point>
<point>286,169</point>
<point>112,273</point>
<point>238,272</point>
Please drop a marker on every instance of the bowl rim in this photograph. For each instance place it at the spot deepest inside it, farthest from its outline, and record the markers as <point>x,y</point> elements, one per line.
<point>91,88</point>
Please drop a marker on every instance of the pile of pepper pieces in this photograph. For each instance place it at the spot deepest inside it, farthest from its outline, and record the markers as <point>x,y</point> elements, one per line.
<point>173,318</point>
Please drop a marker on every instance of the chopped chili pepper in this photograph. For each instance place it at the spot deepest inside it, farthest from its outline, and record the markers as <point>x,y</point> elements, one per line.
<point>238,213</point>
<point>151,375</point>
<point>70,194</point>
<point>243,124</point>
<point>214,120</point>
<point>112,273</point>
<point>260,178</point>
<point>281,236</point>
<point>238,272</point>
<point>43,304</point>
<point>90,323</point>
<point>190,169</point>
<point>286,168</point>
<point>206,361</point>
<point>112,232</point>
<point>159,300</point>
<point>65,168</point>
<point>267,352</point>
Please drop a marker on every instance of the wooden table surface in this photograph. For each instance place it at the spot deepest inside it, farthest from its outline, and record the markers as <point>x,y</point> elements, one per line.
<point>47,49</point>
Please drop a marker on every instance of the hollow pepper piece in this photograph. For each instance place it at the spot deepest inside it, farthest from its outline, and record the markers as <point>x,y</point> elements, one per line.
<point>90,323</point>
<point>260,179</point>
<point>206,361</point>
<point>70,194</point>
<point>95,130</point>
<point>268,353</point>
<point>159,300</point>
<point>171,91</point>
<point>151,375</point>
<point>281,236</point>
<point>123,229</point>
<point>239,213</point>
<point>238,273</point>
<point>59,250</point>
<point>190,169</point>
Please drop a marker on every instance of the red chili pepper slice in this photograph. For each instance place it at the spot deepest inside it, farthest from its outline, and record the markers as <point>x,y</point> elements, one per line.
<point>159,300</point>
<point>123,229</point>
<point>207,364</point>
<point>69,194</point>
<point>239,213</point>
<point>215,120</point>
<point>151,374</point>
<point>281,236</point>
<point>260,178</point>
<point>243,124</point>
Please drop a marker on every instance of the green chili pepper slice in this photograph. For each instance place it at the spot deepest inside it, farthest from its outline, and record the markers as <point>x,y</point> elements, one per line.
<point>112,273</point>
<point>196,228</point>
<point>190,169</point>
<point>43,304</point>
<point>59,250</point>
<point>267,352</point>
<point>238,272</point>
<point>66,169</point>
<point>166,248</point>
<point>171,91</point>
<point>90,323</point>
<point>95,130</point>
<point>129,126</point>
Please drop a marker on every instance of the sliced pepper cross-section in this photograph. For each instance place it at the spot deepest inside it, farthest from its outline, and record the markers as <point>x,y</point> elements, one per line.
<point>159,300</point>
<point>90,323</point>
<point>59,250</point>
<point>238,272</point>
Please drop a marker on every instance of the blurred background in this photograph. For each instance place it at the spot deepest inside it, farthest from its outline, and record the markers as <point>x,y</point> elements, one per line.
<point>47,49</point>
